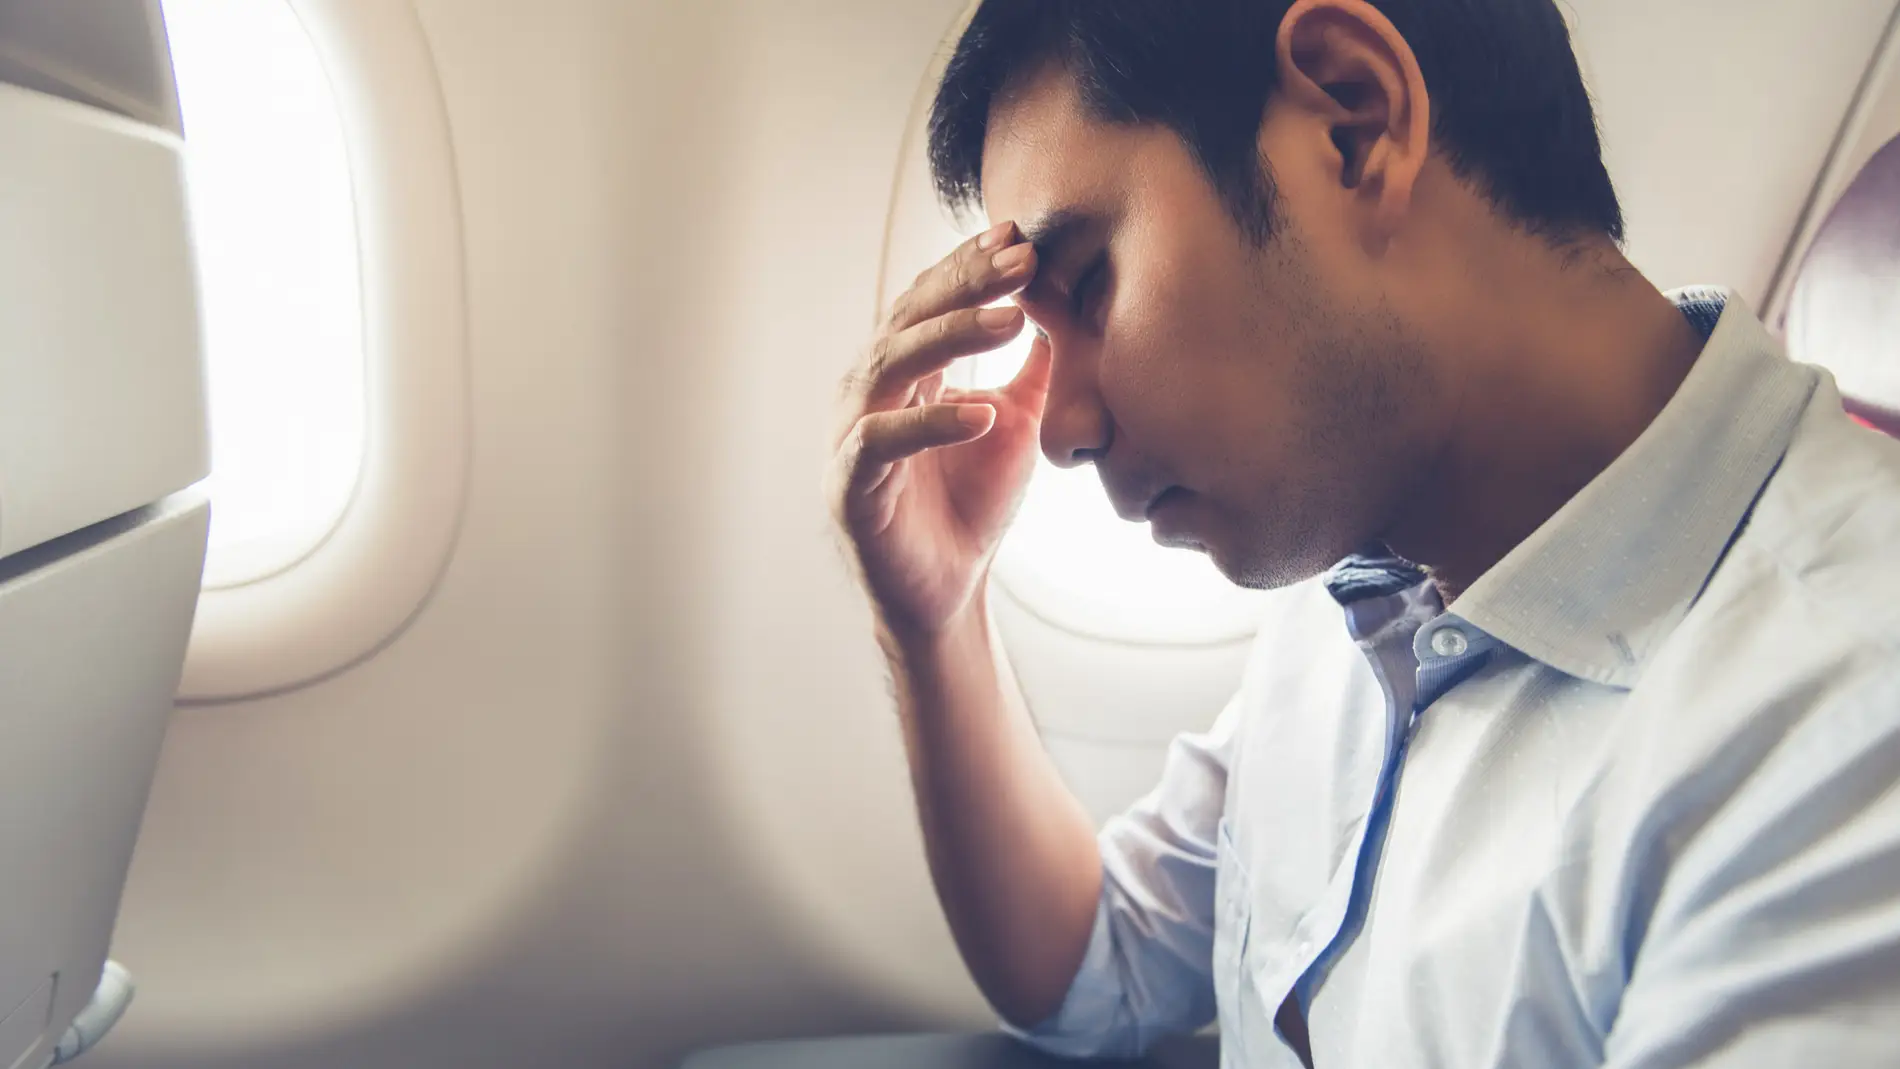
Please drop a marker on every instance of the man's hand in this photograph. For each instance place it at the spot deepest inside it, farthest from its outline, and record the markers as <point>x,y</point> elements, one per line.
<point>926,479</point>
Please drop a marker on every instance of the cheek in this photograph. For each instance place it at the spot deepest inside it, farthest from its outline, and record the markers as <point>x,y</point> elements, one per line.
<point>1148,368</point>
<point>1161,325</point>
<point>1189,369</point>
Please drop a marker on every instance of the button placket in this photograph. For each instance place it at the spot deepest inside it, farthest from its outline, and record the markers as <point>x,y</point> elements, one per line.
<point>1233,920</point>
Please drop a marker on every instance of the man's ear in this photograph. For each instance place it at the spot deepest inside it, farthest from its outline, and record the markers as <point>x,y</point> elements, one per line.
<point>1344,62</point>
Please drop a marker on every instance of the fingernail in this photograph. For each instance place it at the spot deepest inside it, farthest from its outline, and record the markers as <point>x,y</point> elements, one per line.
<point>976,417</point>
<point>993,237</point>
<point>1001,317</point>
<point>1012,259</point>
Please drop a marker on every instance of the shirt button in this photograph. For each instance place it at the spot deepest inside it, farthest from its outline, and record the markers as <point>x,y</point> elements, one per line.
<point>1449,642</point>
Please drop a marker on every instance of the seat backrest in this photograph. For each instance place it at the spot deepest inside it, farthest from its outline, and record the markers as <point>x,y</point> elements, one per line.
<point>1844,309</point>
<point>102,433</point>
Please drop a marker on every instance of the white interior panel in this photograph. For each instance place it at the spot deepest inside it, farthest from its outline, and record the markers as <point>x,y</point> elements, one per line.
<point>23,1031</point>
<point>1717,116</point>
<point>92,633</point>
<point>1107,777</point>
<point>1870,125</point>
<point>1115,693</point>
<point>101,397</point>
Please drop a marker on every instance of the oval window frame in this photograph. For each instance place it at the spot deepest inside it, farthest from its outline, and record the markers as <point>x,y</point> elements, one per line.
<point>361,586</point>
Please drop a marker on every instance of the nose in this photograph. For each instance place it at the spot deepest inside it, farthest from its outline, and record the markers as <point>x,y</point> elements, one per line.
<point>1076,428</point>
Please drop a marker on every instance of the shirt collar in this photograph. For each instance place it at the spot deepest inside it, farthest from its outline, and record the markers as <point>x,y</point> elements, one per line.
<point>1373,572</point>
<point>1595,590</point>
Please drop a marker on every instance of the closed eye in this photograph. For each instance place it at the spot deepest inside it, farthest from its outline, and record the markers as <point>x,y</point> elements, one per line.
<point>1088,287</point>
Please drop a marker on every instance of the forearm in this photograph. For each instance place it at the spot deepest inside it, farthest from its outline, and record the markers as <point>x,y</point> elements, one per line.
<point>1012,852</point>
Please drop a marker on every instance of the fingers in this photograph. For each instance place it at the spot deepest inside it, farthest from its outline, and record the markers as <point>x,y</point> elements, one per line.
<point>899,361</point>
<point>942,318</point>
<point>884,438</point>
<point>881,440</point>
<point>891,407</point>
<point>991,265</point>
<point>1028,390</point>
<point>1030,387</point>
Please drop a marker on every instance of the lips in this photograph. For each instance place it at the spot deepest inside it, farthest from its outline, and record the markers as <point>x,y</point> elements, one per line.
<point>1172,523</point>
<point>1172,495</point>
<point>1130,499</point>
<point>1137,495</point>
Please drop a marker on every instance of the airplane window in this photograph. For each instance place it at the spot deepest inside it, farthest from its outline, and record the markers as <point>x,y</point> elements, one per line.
<point>275,228</point>
<point>1070,560</point>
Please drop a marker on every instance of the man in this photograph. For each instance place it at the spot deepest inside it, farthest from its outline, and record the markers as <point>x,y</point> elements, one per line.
<point>1599,766</point>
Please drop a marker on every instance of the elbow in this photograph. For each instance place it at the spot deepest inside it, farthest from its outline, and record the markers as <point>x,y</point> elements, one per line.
<point>1025,1003</point>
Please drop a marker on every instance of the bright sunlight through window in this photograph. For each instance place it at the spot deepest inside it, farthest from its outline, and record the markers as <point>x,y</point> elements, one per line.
<point>277,255</point>
<point>1076,564</point>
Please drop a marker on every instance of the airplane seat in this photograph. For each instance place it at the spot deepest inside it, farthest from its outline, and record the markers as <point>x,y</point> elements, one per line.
<point>1844,307</point>
<point>937,1051</point>
<point>102,541</point>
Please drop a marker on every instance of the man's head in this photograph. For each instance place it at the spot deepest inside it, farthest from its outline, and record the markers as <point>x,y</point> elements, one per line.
<point>1250,215</point>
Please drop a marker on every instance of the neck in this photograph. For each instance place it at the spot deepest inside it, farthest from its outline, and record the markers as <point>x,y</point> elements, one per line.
<point>1561,362</point>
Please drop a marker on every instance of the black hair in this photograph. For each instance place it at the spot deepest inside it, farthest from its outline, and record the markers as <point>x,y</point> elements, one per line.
<point>1510,112</point>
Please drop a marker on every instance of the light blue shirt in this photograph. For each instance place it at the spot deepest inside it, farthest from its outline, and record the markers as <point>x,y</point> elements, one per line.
<point>1633,802</point>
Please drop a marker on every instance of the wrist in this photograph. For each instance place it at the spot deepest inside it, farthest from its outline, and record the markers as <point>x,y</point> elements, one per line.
<point>915,648</point>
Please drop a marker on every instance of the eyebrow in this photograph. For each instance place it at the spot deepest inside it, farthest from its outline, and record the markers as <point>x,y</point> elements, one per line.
<point>1051,235</point>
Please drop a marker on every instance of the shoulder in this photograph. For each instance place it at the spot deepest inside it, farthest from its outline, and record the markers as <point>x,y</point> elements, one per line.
<point>1826,530</point>
<point>1807,599</point>
<point>1779,692</point>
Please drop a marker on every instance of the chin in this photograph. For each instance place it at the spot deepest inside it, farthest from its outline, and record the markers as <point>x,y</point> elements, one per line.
<point>1264,569</point>
<point>1240,570</point>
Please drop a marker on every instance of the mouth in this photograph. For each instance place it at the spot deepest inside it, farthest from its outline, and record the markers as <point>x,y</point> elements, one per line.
<point>1166,499</point>
<point>1171,522</point>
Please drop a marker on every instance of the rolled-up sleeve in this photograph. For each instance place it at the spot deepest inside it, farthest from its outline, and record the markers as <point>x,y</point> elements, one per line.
<point>1148,970</point>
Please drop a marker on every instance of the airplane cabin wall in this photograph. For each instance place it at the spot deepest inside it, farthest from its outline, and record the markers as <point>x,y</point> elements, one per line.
<point>512,838</point>
<point>630,784</point>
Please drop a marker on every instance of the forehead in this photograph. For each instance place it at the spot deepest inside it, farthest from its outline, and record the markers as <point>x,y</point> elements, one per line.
<point>1044,151</point>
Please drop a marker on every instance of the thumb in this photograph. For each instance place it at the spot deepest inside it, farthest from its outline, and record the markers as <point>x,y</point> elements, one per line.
<point>1030,387</point>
